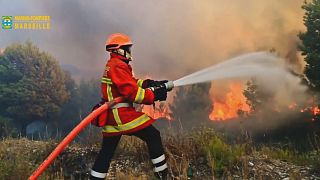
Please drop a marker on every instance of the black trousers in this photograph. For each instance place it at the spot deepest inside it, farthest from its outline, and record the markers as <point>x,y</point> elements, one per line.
<point>150,135</point>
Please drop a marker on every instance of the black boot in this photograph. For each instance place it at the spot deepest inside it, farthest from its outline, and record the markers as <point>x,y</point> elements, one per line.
<point>162,175</point>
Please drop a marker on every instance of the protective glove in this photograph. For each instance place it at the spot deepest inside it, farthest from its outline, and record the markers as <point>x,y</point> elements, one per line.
<point>98,105</point>
<point>162,82</point>
<point>160,93</point>
<point>152,83</point>
<point>101,119</point>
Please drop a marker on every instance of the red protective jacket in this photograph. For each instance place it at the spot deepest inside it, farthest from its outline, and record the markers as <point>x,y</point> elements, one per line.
<point>118,81</point>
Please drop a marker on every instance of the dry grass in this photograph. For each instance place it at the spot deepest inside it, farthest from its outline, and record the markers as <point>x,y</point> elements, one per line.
<point>207,151</point>
<point>19,157</point>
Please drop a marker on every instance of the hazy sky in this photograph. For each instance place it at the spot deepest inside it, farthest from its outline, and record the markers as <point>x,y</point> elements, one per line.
<point>172,37</point>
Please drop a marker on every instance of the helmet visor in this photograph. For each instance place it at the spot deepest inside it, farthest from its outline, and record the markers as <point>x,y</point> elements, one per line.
<point>127,48</point>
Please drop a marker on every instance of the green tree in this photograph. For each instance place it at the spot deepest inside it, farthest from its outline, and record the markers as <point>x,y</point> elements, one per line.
<point>83,97</point>
<point>34,86</point>
<point>310,46</point>
<point>5,129</point>
<point>70,112</point>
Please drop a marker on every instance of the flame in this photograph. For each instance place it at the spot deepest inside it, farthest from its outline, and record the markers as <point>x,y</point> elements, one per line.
<point>157,111</point>
<point>233,102</point>
<point>315,111</point>
<point>228,106</point>
<point>293,106</point>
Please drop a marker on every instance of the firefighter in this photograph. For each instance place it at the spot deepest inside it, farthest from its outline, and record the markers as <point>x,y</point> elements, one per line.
<point>123,119</point>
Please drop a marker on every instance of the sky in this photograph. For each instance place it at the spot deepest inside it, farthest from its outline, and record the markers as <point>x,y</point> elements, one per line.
<point>172,38</point>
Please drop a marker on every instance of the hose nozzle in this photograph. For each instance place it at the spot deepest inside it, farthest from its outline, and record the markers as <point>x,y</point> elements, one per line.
<point>169,86</point>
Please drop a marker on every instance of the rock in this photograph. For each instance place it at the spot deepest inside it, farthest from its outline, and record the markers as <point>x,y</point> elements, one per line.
<point>250,164</point>
<point>236,176</point>
<point>269,167</point>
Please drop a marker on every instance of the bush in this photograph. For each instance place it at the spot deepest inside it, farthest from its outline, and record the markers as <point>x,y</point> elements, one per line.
<point>222,156</point>
<point>6,129</point>
<point>219,154</point>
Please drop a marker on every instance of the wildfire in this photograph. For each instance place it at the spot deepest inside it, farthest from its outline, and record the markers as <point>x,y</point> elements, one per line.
<point>293,106</point>
<point>315,111</point>
<point>228,106</point>
<point>233,102</point>
<point>157,112</point>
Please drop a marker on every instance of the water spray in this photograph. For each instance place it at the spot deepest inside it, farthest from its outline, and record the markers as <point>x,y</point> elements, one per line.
<point>257,64</point>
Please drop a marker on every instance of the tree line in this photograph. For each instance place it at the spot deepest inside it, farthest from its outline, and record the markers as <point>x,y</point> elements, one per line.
<point>34,88</point>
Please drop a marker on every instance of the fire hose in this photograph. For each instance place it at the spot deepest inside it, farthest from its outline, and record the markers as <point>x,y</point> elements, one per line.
<point>54,154</point>
<point>72,135</point>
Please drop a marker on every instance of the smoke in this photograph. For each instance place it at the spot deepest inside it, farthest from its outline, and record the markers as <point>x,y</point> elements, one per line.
<point>172,38</point>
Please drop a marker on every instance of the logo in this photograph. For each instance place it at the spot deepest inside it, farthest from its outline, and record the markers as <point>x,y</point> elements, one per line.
<point>6,22</point>
<point>26,22</point>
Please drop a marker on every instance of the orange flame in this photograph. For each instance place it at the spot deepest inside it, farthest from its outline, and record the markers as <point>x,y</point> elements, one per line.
<point>315,111</point>
<point>157,111</point>
<point>233,102</point>
<point>293,106</point>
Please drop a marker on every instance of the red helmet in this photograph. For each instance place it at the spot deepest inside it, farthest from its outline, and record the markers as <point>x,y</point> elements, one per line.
<point>115,41</point>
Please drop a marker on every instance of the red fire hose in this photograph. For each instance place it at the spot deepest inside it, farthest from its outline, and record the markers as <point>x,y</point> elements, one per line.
<point>71,136</point>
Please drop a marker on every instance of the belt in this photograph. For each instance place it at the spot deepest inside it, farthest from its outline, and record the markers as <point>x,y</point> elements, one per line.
<point>120,105</point>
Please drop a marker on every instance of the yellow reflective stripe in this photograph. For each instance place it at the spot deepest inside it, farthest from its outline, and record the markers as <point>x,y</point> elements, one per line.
<point>130,125</point>
<point>140,95</point>
<point>139,82</point>
<point>106,80</point>
<point>116,116</point>
<point>110,98</point>
<point>114,111</point>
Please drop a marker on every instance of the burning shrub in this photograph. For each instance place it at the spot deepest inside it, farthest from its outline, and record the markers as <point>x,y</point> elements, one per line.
<point>231,105</point>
